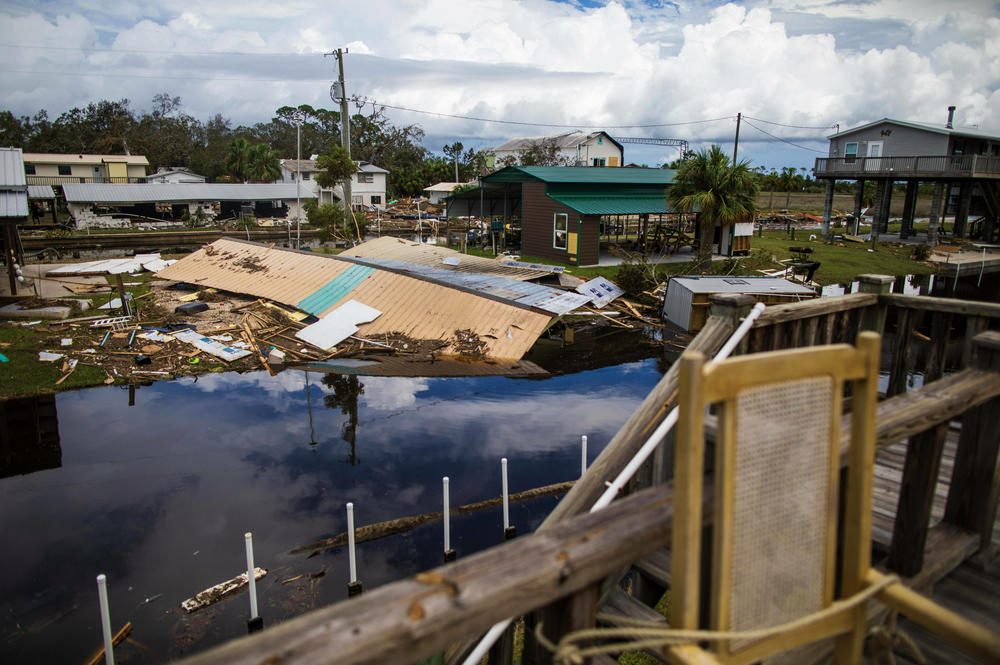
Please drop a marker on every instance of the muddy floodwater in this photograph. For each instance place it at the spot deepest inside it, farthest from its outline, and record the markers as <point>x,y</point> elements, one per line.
<point>156,487</point>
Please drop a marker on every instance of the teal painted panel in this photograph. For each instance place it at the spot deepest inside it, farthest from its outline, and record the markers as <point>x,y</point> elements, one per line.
<point>335,289</point>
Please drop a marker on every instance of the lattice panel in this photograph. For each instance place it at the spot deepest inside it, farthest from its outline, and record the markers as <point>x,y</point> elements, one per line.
<point>780,503</point>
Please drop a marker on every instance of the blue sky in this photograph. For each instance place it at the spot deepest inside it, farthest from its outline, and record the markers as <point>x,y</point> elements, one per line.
<point>671,69</point>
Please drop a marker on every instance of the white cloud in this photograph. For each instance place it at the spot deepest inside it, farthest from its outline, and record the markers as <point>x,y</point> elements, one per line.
<point>622,63</point>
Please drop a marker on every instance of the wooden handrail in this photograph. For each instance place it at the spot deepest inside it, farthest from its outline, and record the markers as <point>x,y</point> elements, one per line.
<point>949,305</point>
<point>805,309</point>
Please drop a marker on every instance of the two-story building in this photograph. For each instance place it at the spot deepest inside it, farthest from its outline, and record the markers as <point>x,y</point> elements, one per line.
<point>56,169</point>
<point>368,184</point>
<point>572,149</point>
<point>963,164</point>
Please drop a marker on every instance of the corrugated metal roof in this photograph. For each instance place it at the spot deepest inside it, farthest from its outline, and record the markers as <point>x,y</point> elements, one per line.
<point>528,294</point>
<point>399,249</point>
<point>411,304</point>
<point>740,284</point>
<point>584,174</point>
<point>181,191</point>
<point>610,204</point>
<point>41,192</point>
<point>13,190</point>
<point>74,158</point>
<point>334,290</point>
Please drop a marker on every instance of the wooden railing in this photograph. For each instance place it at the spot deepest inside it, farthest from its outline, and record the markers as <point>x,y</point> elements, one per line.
<point>952,166</point>
<point>563,572</point>
<point>69,179</point>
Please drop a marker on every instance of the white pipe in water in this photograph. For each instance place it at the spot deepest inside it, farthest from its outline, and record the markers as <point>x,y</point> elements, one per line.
<point>647,449</point>
<point>250,576</point>
<point>350,543</point>
<point>506,505</point>
<point>447,516</point>
<point>102,596</point>
<point>583,455</point>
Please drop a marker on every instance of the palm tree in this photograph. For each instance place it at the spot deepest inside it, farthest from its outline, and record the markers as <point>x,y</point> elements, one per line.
<point>263,164</point>
<point>237,159</point>
<point>717,191</point>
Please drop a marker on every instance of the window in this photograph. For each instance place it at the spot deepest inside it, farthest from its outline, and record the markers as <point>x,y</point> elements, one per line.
<point>305,176</point>
<point>64,169</point>
<point>29,169</point>
<point>376,200</point>
<point>560,224</point>
<point>958,148</point>
<point>600,161</point>
<point>600,140</point>
<point>850,153</point>
<point>366,177</point>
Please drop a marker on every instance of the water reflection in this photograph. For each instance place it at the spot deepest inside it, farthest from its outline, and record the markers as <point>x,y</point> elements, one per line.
<point>29,435</point>
<point>158,495</point>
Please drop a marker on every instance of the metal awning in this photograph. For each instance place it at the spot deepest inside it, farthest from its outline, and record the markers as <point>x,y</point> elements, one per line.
<point>611,204</point>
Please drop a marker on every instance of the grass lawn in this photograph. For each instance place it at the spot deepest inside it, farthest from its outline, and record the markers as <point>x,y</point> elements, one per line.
<point>840,263</point>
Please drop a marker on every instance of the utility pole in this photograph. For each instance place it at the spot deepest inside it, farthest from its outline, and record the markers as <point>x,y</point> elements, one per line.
<point>339,94</point>
<point>736,143</point>
<point>298,181</point>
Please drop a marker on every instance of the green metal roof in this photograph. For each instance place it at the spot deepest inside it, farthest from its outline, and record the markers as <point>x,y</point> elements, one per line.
<point>583,175</point>
<point>613,204</point>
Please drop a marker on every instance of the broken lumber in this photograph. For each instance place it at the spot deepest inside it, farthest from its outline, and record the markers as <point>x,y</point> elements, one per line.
<point>216,593</point>
<point>390,527</point>
<point>115,641</point>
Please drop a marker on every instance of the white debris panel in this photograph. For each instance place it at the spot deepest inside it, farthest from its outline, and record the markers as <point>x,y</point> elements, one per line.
<point>338,325</point>
<point>210,346</point>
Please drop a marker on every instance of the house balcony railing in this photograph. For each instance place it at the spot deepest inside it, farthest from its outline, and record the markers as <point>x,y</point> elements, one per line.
<point>64,179</point>
<point>914,166</point>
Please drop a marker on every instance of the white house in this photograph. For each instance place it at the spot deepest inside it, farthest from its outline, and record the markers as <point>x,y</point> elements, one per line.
<point>174,175</point>
<point>574,149</point>
<point>368,185</point>
<point>440,190</point>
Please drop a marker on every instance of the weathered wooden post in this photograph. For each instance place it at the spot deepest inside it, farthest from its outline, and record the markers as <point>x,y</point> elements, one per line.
<point>975,482</point>
<point>916,497</point>
<point>828,211</point>
<point>873,318</point>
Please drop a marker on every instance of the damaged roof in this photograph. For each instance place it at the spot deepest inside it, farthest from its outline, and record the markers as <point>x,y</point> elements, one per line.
<point>398,249</point>
<point>416,305</point>
<point>13,190</point>
<point>181,191</point>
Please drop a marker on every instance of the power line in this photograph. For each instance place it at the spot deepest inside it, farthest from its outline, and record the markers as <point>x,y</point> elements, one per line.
<point>161,76</point>
<point>769,122</point>
<point>545,124</point>
<point>778,138</point>
<point>98,49</point>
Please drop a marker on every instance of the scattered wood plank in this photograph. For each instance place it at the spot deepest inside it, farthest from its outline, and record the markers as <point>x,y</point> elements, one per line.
<point>216,593</point>
<point>98,656</point>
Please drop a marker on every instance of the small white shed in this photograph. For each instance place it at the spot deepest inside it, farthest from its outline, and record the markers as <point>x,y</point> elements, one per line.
<point>686,302</point>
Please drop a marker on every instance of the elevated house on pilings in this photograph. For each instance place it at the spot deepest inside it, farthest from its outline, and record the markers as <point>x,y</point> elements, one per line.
<point>962,163</point>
